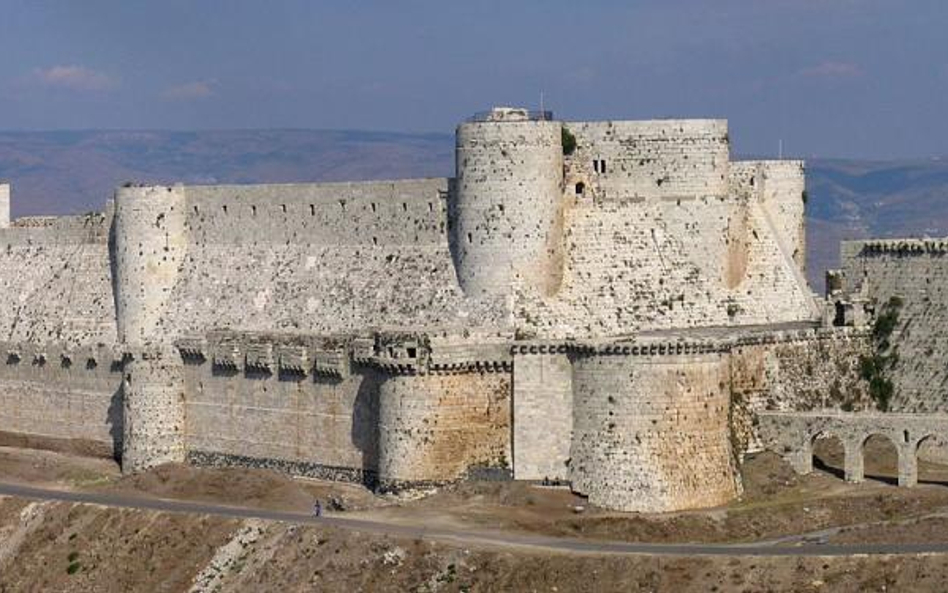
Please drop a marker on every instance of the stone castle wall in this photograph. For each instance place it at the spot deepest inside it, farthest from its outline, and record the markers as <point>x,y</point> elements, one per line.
<point>418,331</point>
<point>780,188</point>
<point>284,402</point>
<point>320,258</point>
<point>635,265</point>
<point>55,281</point>
<point>61,392</point>
<point>542,411</point>
<point>651,159</point>
<point>915,272</point>
<point>60,373</point>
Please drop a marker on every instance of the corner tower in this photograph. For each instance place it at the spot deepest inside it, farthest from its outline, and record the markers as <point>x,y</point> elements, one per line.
<point>149,243</point>
<point>507,208</point>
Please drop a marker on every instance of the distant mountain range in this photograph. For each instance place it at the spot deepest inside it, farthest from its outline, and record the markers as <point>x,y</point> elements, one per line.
<point>72,172</point>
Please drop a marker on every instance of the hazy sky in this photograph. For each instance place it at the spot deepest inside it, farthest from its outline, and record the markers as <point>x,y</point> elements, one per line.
<point>862,78</point>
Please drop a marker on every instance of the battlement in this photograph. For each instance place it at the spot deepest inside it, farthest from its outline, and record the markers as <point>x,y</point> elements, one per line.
<point>576,290</point>
<point>902,247</point>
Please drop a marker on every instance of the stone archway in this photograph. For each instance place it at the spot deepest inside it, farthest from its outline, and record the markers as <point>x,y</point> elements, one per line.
<point>882,457</point>
<point>828,453</point>
<point>931,458</point>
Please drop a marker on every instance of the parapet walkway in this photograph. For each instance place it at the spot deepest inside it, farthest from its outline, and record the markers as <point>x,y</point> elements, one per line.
<point>792,435</point>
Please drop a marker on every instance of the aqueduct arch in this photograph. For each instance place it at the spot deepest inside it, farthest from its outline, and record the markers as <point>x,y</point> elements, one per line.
<point>792,434</point>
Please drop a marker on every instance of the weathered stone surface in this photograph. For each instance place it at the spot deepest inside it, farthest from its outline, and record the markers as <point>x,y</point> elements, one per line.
<point>651,432</point>
<point>613,317</point>
<point>914,272</point>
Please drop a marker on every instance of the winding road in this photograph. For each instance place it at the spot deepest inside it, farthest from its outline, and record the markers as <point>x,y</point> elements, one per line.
<point>795,546</point>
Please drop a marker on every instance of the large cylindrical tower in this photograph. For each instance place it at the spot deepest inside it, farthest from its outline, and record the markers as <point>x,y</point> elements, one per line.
<point>434,427</point>
<point>149,244</point>
<point>651,431</point>
<point>507,207</point>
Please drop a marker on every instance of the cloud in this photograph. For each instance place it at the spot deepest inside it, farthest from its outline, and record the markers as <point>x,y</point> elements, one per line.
<point>831,70</point>
<point>190,91</point>
<point>76,78</point>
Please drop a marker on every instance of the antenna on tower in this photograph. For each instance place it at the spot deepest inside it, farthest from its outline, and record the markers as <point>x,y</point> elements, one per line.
<point>542,112</point>
<point>780,148</point>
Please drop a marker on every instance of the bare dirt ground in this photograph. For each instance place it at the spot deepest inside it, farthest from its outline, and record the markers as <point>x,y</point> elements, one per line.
<point>64,547</point>
<point>69,547</point>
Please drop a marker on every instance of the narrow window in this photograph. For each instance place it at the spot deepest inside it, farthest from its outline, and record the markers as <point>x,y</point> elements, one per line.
<point>470,238</point>
<point>312,210</point>
<point>404,207</point>
<point>283,207</point>
<point>373,206</point>
<point>375,240</point>
<point>596,165</point>
<point>224,208</point>
<point>253,210</point>
<point>195,209</point>
<point>602,166</point>
<point>430,207</point>
<point>580,188</point>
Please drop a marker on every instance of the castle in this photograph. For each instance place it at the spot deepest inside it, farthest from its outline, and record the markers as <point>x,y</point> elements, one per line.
<point>606,304</point>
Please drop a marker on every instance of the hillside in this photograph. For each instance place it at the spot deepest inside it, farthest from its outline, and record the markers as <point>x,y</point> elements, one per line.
<point>71,172</point>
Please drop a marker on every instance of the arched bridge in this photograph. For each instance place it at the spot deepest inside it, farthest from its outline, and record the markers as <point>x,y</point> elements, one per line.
<point>792,434</point>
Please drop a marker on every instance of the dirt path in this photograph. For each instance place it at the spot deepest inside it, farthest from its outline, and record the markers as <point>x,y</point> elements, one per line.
<point>476,538</point>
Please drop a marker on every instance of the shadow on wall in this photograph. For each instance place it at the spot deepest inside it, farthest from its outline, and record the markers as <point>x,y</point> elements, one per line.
<point>365,425</point>
<point>116,423</point>
<point>452,215</point>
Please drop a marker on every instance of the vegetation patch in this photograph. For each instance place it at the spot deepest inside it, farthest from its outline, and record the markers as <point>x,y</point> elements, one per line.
<point>874,368</point>
<point>569,141</point>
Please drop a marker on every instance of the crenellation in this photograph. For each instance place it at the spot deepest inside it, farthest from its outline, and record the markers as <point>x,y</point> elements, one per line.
<point>612,318</point>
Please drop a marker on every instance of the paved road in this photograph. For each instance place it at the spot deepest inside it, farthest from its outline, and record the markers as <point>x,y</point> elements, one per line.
<point>537,543</point>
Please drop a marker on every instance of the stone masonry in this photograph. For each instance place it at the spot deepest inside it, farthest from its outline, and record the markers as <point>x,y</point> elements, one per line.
<point>615,317</point>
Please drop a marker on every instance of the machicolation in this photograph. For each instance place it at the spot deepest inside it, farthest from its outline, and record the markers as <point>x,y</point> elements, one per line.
<point>614,305</point>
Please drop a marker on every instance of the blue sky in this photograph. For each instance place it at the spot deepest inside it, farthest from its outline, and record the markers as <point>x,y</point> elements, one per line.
<point>859,78</point>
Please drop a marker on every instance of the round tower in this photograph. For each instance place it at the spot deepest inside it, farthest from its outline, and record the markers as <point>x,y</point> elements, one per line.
<point>651,432</point>
<point>148,246</point>
<point>149,243</point>
<point>506,210</point>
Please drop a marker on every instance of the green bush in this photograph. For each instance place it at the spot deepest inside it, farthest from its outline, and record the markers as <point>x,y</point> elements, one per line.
<point>873,369</point>
<point>569,141</point>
